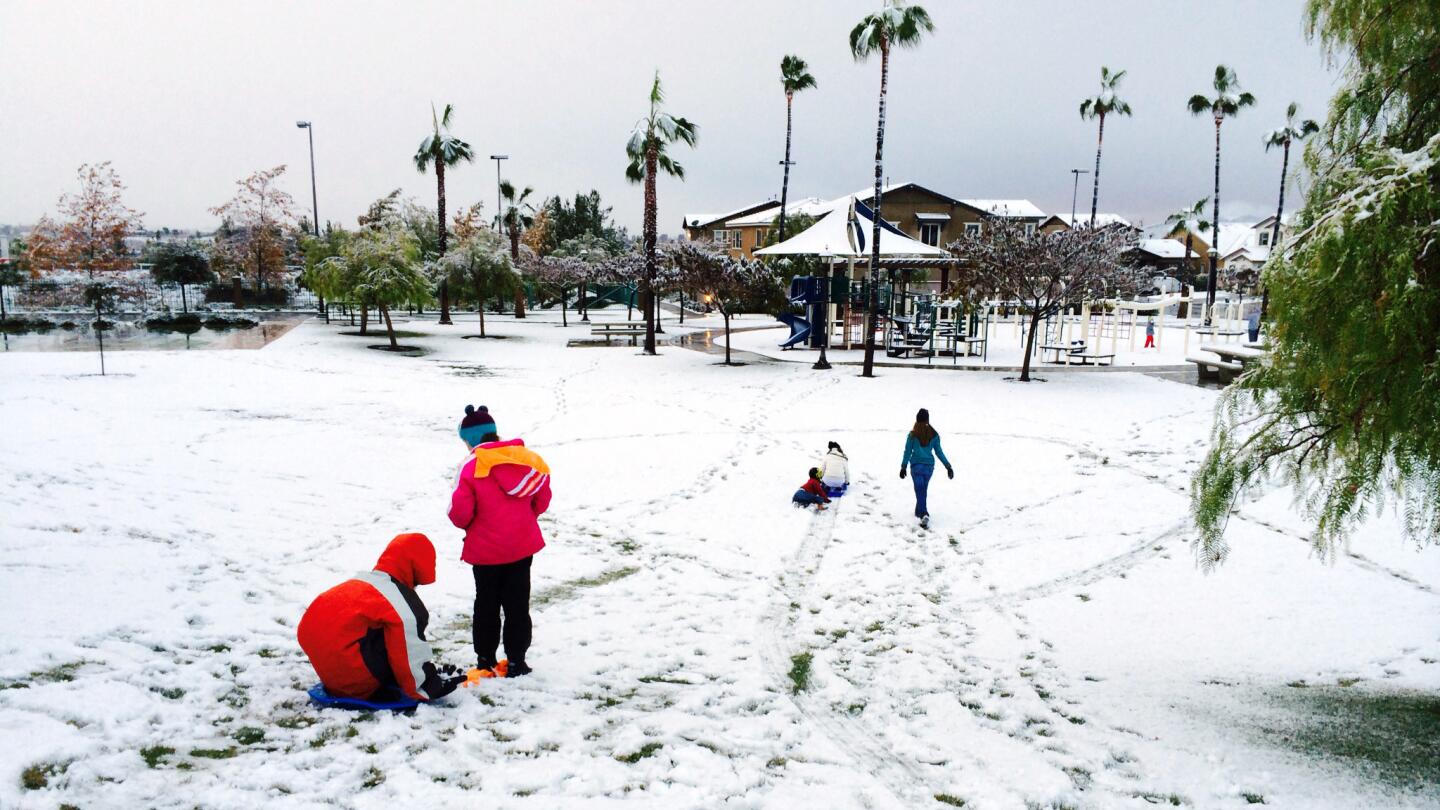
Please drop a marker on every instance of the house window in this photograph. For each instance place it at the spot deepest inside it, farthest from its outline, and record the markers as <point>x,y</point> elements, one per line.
<point>760,237</point>
<point>722,238</point>
<point>1029,229</point>
<point>1264,239</point>
<point>930,233</point>
<point>972,229</point>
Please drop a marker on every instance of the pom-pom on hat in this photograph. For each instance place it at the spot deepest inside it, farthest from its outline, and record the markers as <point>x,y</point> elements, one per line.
<point>476,425</point>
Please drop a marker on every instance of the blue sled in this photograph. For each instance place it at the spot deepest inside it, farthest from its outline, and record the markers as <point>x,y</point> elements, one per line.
<point>326,700</point>
<point>836,492</point>
<point>799,329</point>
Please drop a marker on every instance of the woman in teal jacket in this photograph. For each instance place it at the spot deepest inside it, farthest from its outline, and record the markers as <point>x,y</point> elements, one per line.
<point>922,446</point>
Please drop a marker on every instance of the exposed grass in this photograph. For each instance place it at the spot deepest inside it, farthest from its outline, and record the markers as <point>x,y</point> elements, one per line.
<point>373,777</point>
<point>57,674</point>
<point>155,754</point>
<point>1389,734</point>
<point>249,735</point>
<point>566,590</point>
<point>647,750</point>
<point>171,693</point>
<point>946,798</point>
<point>213,753</point>
<point>1252,798</point>
<point>37,777</point>
<point>800,672</point>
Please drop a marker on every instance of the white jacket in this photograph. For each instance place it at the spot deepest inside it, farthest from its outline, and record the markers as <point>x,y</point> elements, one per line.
<point>835,469</point>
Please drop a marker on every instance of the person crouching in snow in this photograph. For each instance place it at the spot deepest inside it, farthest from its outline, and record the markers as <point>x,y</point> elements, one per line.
<point>366,636</point>
<point>502,489</point>
<point>812,492</point>
<point>835,470</point>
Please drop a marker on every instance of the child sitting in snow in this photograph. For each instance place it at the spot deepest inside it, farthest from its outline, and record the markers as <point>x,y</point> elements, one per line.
<point>812,492</point>
<point>835,471</point>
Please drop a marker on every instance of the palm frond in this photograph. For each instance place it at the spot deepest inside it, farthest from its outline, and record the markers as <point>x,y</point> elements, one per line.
<point>1199,105</point>
<point>864,39</point>
<point>635,172</point>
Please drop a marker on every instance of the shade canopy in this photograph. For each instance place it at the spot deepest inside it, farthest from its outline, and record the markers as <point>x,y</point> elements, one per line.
<point>844,232</point>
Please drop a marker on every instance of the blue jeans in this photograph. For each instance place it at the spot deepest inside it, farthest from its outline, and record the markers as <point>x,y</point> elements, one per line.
<point>920,474</point>
<point>806,498</point>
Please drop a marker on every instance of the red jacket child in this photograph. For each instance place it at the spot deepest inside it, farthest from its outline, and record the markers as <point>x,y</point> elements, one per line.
<point>366,636</point>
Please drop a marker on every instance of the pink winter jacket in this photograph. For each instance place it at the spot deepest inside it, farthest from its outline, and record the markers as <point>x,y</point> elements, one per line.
<point>502,489</point>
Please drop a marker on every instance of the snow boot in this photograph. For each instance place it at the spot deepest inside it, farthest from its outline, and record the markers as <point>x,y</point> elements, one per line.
<point>924,521</point>
<point>516,669</point>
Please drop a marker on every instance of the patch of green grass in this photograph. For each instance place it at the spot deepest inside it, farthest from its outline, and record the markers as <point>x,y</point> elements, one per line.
<point>855,708</point>
<point>171,692</point>
<point>647,750</point>
<point>840,633</point>
<point>1172,799</point>
<point>58,674</point>
<point>218,648</point>
<point>875,626</point>
<point>213,753</point>
<point>37,777</point>
<point>776,762</point>
<point>373,777</point>
<point>296,721</point>
<point>14,685</point>
<point>565,590</point>
<point>1083,597</point>
<point>266,652</point>
<point>800,672</point>
<point>664,679</point>
<point>946,798</point>
<point>249,735</point>
<point>1386,734</point>
<point>154,754</point>
<point>1252,798</point>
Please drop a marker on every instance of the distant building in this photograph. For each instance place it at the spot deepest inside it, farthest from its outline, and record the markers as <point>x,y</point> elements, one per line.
<point>1063,222</point>
<point>921,213</point>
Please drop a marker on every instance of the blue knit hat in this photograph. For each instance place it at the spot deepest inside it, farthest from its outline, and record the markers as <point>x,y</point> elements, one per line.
<point>476,425</point>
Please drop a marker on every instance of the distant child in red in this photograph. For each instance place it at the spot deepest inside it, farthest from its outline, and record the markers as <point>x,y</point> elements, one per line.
<point>812,492</point>
<point>1149,334</point>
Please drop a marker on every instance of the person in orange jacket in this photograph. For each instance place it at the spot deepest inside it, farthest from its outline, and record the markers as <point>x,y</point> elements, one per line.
<point>366,636</point>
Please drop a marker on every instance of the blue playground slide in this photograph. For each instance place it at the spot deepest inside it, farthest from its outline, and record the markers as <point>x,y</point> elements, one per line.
<point>799,329</point>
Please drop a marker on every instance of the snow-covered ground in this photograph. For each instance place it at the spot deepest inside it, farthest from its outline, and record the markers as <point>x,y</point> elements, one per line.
<point>1048,643</point>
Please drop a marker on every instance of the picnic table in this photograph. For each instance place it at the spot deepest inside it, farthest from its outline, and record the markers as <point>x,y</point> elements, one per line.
<point>612,329</point>
<point>1074,354</point>
<point>1230,360</point>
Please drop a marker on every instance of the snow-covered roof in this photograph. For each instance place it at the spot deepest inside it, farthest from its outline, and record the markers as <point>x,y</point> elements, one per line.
<point>844,232</point>
<point>1163,248</point>
<point>696,220</point>
<point>1084,219</point>
<point>810,206</point>
<point>1007,208</point>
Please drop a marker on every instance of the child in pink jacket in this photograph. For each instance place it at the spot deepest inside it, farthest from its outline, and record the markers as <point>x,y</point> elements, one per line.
<point>502,489</point>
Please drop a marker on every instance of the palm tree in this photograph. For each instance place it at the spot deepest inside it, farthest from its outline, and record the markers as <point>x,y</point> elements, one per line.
<point>443,150</point>
<point>1283,137</point>
<point>1188,220</point>
<point>517,214</point>
<point>647,152</point>
<point>794,77</point>
<point>1098,107</point>
<point>899,25</point>
<point>1227,103</point>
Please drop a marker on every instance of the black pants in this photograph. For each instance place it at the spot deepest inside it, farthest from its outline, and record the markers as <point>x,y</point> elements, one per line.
<point>502,587</point>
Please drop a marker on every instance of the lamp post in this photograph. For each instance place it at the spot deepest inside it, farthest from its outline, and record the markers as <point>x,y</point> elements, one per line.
<point>497,159</point>
<point>314,199</point>
<point>824,363</point>
<point>1074,191</point>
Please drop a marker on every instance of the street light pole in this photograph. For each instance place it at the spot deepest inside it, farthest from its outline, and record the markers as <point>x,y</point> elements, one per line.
<point>824,363</point>
<point>314,198</point>
<point>497,159</point>
<point>1074,191</point>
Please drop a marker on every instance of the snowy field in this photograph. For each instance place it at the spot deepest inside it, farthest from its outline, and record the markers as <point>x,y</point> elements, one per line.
<point>1048,643</point>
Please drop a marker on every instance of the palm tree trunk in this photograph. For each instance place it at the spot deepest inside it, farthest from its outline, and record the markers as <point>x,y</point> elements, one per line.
<point>479,304</point>
<point>364,317</point>
<point>389,327</point>
<point>185,305</point>
<point>515,257</point>
<point>580,302</point>
<point>3,316</point>
<point>650,213</point>
<point>444,239</point>
<point>1215,237</point>
<point>785,184</point>
<point>1095,191</point>
<point>874,302</point>
<point>1183,310</point>
<point>1275,231</point>
<point>564,318</point>
<point>725,313</point>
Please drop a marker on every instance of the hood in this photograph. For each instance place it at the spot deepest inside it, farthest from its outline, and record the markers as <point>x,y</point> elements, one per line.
<point>518,471</point>
<point>410,559</point>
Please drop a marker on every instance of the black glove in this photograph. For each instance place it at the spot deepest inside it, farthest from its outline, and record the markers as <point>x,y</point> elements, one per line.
<point>950,471</point>
<point>902,472</point>
<point>448,671</point>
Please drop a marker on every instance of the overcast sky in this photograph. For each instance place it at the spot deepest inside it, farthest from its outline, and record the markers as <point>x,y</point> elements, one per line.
<point>187,97</point>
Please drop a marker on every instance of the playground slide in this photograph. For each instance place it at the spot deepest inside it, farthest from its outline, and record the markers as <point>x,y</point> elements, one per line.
<point>799,329</point>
